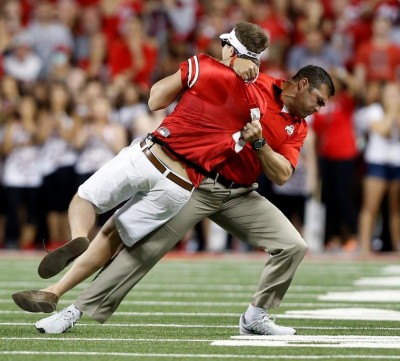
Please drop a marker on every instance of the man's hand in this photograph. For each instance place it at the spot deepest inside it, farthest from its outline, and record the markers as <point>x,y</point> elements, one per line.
<point>252,131</point>
<point>245,68</point>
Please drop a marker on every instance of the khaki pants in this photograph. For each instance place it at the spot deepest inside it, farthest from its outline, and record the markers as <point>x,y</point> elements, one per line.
<point>242,212</point>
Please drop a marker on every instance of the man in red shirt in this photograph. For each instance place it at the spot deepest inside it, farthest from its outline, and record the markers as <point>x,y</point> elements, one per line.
<point>268,140</point>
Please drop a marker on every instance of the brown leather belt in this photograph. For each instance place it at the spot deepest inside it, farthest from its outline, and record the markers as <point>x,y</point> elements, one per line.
<point>162,168</point>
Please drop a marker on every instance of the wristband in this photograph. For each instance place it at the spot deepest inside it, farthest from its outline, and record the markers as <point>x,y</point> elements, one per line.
<point>232,62</point>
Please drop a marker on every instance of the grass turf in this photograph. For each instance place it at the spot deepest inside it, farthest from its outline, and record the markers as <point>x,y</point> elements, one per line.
<point>185,304</point>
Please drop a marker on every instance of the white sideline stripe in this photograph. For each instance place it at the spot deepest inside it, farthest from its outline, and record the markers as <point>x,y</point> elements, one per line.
<point>360,296</point>
<point>103,339</point>
<point>214,304</point>
<point>172,325</point>
<point>392,269</point>
<point>383,342</point>
<point>359,314</point>
<point>378,281</point>
<point>205,356</point>
<point>202,294</point>
<point>172,314</point>
<point>183,286</point>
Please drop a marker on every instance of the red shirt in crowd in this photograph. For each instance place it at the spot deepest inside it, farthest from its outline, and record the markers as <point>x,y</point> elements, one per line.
<point>382,63</point>
<point>334,128</point>
<point>121,59</point>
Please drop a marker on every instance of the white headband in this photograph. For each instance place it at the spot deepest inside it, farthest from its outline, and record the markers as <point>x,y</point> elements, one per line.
<point>234,41</point>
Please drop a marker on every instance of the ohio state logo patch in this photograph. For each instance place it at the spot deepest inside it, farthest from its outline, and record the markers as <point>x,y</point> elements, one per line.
<point>289,129</point>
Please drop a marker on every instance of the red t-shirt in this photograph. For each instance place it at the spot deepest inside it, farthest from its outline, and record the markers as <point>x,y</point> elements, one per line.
<point>381,63</point>
<point>205,126</point>
<point>333,126</point>
<point>121,59</point>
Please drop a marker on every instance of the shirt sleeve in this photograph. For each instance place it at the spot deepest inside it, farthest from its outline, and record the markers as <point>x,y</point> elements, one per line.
<point>291,149</point>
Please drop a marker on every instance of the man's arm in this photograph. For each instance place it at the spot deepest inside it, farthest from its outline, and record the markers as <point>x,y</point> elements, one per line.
<point>275,166</point>
<point>165,91</point>
<point>245,68</point>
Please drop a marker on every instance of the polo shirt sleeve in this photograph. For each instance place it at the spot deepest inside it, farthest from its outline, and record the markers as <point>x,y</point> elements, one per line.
<point>290,149</point>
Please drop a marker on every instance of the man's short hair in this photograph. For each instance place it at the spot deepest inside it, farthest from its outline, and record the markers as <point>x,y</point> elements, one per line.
<point>315,76</point>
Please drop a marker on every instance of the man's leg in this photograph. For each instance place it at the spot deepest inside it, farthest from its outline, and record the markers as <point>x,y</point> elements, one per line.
<point>82,216</point>
<point>106,292</point>
<point>100,251</point>
<point>265,227</point>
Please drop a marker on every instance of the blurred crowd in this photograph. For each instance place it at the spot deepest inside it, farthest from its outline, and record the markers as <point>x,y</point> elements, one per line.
<point>75,77</point>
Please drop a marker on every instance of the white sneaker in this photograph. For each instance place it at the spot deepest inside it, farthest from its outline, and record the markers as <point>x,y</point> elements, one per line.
<point>60,322</point>
<point>264,326</point>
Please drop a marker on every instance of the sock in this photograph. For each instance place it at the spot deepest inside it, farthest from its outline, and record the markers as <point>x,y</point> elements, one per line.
<point>253,313</point>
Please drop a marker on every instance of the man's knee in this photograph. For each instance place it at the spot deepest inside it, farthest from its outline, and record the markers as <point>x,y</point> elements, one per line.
<point>300,247</point>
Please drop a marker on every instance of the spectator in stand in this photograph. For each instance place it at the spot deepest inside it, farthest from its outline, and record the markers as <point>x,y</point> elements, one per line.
<point>308,14</point>
<point>9,96</point>
<point>90,43</point>
<point>58,157</point>
<point>182,16</point>
<point>382,122</point>
<point>134,55</point>
<point>48,34</point>
<point>98,141</point>
<point>12,13</point>
<point>291,197</point>
<point>348,30</point>
<point>315,50</point>
<point>273,18</point>
<point>130,106</point>
<point>21,62</point>
<point>212,22</point>
<point>337,151</point>
<point>21,175</point>
<point>67,12</point>
<point>379,58</point>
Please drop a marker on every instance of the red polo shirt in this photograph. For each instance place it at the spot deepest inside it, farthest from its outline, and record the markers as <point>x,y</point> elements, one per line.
<point>206,124</point>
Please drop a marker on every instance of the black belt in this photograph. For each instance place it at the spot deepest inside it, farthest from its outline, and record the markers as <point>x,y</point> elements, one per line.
<point>212,175</point>
<point>162,168</point>
<point>225,182</point>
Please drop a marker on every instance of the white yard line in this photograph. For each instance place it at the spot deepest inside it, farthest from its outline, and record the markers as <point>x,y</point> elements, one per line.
<point>325,341</point>
<point>182,356</point>
<point>172,325</point>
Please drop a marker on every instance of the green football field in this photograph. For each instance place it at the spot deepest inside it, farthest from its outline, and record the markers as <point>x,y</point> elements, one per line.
<point>188,308</point>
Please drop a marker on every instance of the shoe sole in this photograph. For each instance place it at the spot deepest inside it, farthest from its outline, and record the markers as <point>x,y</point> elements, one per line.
<point>32,305</point>
<point>54,262</point>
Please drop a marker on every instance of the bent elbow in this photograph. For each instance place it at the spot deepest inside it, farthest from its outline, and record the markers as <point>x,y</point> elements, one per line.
<point>154,105</point>
<point>281,179</point>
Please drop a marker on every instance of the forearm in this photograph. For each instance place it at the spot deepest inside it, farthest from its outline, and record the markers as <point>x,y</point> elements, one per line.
<point>165,91</point>
<point>244,68</point>
<point>275,166</point>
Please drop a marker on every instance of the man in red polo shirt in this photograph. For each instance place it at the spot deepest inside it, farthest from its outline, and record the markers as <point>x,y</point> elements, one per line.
<point>268,141</point>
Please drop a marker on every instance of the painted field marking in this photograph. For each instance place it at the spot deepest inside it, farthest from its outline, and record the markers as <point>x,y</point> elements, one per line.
<point>172,325</point>
<point>382,342</point>
<point>362,296</point>
<point>378,281</point>
<point>358,314</point>
<point>391,270</point>
<point>183,356</point>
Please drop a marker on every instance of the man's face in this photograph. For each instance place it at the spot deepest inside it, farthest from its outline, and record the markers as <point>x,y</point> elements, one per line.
<point>309,100</point>
<point>227,50</point>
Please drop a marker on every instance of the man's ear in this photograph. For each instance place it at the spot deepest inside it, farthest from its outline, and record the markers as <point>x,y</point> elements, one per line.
<point>303,84</point>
